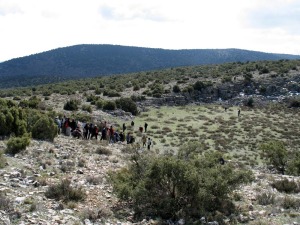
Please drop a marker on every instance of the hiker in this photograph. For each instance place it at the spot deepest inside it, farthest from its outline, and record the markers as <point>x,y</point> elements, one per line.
<point>144,140</point>
<point>116,136</point>
<point>95,132</point>
<point>132,123</point>
<point>77,133</point>
<point>239,112</point>
<point>124,127</point>
<point>103,134</point>
<point>111,135</point>
<point>122,136</point>
<point>128,138</point>
<point>73,125</point>
<point>91,130</point>
<point>148,143</point>
<point>86,130</point>
<point>58,123</point>
<point>141,129</point>
<point>145,126</point>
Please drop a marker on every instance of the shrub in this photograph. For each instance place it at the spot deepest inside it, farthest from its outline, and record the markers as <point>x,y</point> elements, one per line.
<point>265,198</point>
<point>128,105</point>
<point>71,105</point>
<point>293,167</point>
<point>287,186</point>
<point>109,105</point>
<point>12,120</point>
<point>2,160</point>
<point>276,154</point>
<point>170,187</point>
<point>176,89</point>
<point>103,151</point>
<point>290,203</point>
<point>99,104</point>
<point>249,102</point>
<point>17,144</point>
<point>87,108</point>
<point>64,191</point>
<point>5,203</point>
<point>44,129</point>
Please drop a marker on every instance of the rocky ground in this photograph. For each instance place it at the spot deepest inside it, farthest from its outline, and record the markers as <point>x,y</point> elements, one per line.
<point>28,175</point>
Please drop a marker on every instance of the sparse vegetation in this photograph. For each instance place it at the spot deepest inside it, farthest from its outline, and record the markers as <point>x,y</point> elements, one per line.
<point>64,191</point>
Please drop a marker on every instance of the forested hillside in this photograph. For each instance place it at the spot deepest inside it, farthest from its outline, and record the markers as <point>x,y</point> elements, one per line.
<point>100,60</point>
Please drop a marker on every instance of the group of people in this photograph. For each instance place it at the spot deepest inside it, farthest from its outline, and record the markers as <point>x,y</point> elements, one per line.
<point>88,131</point>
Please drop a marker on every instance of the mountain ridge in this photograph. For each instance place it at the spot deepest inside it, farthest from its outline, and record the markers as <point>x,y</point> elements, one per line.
<point>90,60</point>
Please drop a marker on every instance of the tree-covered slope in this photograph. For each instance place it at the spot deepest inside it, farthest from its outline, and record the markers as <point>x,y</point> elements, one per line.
<point>100,60</point>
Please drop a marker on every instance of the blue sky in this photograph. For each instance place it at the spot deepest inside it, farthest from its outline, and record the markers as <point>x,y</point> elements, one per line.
<point>33,26</point>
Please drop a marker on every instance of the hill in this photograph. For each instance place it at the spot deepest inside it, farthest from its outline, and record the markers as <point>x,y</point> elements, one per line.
<point>100,60</point>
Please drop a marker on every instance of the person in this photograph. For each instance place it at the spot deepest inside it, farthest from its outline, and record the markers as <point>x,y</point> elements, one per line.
<point>112,134</point>
<point>239,112</point>
<point>95,132</point>
<point>128,138</point>
<point>144,140</point>
<point>103,134</point>
<point>132,123</point>
<point>86,130</point>
<point>124,127</point>
<point>91,130</point>
<point>148,143</point>
<point>122,137</point>
<point>77,133</point>
<point>58,123</point>
<point>145,126</point>
<point>73,125</point>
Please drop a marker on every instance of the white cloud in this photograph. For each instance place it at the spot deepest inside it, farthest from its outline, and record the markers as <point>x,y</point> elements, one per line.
<point>33,26</point>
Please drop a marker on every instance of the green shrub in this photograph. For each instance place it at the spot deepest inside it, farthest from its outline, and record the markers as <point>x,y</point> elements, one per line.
<point>249,102</point>
<point>64,191</point>
<point>17,144</point>
<point>5,203</point>
<point>44,129</point>
<point>99,104</point>
<point>87,108</point>
<point>109,105</point>
<point>128,105</point>
<point>293,167</point>
<point>12,120</point>
<point>289,202</point>
<point>171,187</point>
<point>71,105</point>
<point>2,160</point>
<point>275,154</point>
<point>287,186</point>
<point>176,89</point>
<point>266,198</point>
<point>103,151</point>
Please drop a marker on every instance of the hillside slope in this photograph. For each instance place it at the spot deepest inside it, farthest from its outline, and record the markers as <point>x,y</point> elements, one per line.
<point>100,60</point>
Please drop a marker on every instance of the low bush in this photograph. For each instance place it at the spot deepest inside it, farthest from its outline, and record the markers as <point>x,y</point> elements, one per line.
<point>17,144</point>
<point>2,160</point>
<point>44,129</point>
<point>103,151</point>
<point>109,105</point>
<point>71,105</point>
<point>289,202</point>
<point>171,187</point>
<point>87,108</point>
<point>287,186</point>
<point>265,198</point>
<point>5,203</point>
<point>128,105</point>
<point>64,191</point>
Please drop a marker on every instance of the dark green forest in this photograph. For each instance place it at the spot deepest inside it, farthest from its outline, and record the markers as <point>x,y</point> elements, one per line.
<point>83,61</point>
